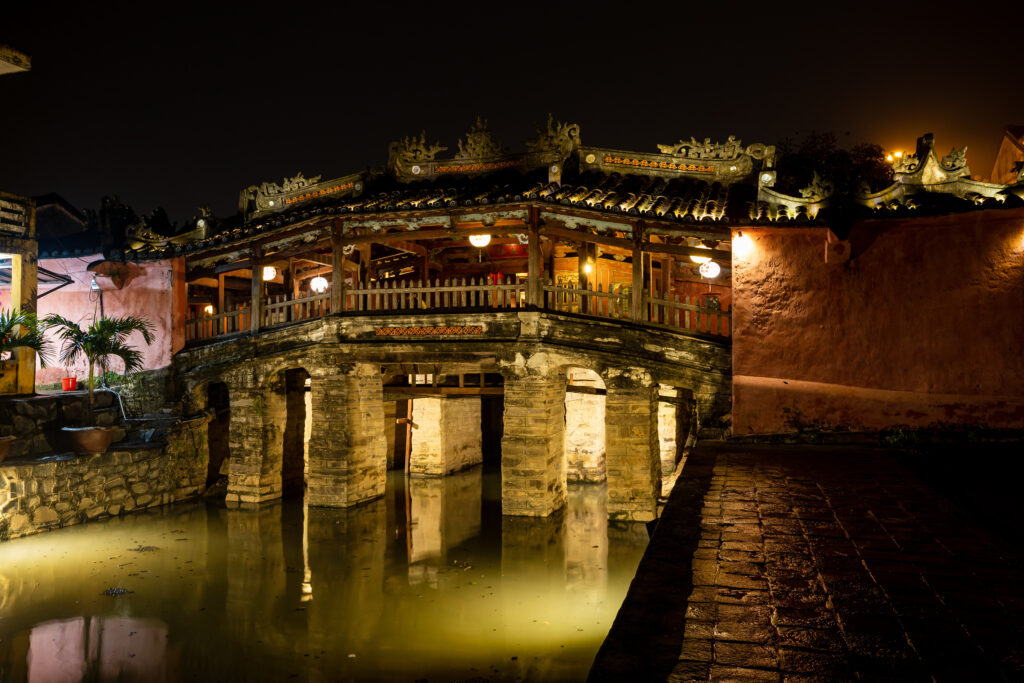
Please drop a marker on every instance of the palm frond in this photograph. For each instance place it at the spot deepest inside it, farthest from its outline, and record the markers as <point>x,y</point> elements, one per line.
<point>21,329</point>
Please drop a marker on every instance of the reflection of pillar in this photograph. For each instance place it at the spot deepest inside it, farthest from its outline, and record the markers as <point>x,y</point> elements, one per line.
<point>633,452</point>
<point>390,409</point>
<point>347,552</point>
<point>347,449</point>
<point>532,457</point>
<point>307,573</point>
<point>446,435</point>
<point>586,541</point>
<point>444,512</point>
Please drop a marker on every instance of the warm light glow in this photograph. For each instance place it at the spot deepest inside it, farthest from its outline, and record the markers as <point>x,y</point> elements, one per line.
<point>587,267</point>
<point>888,157</point>
<point>710,270</point>
<point>898,155</point>
<point>701,259</point>
<point>269,273</point>
<point>742,245</point>
<point>318,284</point>
<point>208,309</point>
<point>480,240</point>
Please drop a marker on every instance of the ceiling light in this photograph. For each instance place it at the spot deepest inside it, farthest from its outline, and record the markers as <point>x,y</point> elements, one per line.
<point>710,270</point>
<point>269,273</point>
<point>700,259</point>
<point>480,241</point>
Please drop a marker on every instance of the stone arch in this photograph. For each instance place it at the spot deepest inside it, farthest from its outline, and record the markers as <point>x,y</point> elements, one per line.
<point>212,397</point>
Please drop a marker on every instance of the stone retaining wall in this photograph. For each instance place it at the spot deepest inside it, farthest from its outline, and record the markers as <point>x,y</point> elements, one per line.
<point>36,420</point>
<point>49,492</point>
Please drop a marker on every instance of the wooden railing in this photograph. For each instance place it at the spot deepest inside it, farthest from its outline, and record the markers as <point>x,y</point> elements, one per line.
<point>217,325</point>
<point>283,309</point>
<point>458,293</point>
<point>611,303</point>
<point>606,301</point>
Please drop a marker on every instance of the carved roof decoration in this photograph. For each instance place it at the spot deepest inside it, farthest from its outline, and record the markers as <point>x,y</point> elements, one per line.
<point>480,144</point>
<point>686,188</point>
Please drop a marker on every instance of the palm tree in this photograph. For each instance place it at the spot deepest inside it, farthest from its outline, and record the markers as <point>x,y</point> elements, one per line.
<point>20,329</point>
<point>103,338</point>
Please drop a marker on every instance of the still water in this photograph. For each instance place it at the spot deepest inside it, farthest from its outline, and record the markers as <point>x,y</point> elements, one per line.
<point>430,582</point>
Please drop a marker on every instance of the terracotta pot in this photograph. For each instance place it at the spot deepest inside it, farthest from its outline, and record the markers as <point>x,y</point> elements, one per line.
<point>5,446</point>
<point>89,439</point>
<point>69,383</point>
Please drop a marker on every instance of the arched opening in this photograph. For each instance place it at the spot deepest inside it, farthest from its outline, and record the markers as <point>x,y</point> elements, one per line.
<point>296,431</point>
<point>584,426</point>
<point>218,432</point>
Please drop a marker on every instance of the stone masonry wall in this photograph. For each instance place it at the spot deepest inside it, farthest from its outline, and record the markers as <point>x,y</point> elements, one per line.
<point>63,490</point>
<point>634,454</point>
<point>37,420</point>
<point>584,437</point>
<point>446,436</point>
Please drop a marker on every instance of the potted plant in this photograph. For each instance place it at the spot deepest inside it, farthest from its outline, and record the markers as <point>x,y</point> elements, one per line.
<point>103,339</point>
<point>19,330</point>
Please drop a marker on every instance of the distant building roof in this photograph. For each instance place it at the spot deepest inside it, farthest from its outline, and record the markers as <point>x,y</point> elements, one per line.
<point>13,61</point>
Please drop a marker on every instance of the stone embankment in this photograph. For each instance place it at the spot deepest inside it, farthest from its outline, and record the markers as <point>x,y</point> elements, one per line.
<point>43,487</point>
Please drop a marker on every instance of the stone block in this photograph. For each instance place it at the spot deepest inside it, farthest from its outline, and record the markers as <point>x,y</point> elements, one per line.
<point>23,425</point>
<point>44,515</point>
<point>114,509</point>
<point>19,522</point>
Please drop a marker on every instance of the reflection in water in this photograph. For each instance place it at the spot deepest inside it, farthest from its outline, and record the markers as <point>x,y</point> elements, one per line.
<point>428,582</point>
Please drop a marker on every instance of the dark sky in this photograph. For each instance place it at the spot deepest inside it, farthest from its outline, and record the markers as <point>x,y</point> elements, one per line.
<point>189,104</point>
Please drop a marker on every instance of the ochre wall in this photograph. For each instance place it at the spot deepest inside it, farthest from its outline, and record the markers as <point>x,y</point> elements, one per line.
<point>922,326</point>
<point>149,295</point>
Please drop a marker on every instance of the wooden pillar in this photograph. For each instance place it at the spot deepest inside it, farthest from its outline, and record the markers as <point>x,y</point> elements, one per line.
<point>582,256</point>
<point>256,295</point>
<point>637,292</point>
<point>222,323</point>
<point>337,269</point>
<point>534,293</point>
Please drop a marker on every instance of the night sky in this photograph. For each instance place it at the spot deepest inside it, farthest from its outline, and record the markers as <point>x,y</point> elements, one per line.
<point>189,105</point>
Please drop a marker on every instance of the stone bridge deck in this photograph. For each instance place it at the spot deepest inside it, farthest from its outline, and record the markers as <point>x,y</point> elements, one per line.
<point>348,359</point>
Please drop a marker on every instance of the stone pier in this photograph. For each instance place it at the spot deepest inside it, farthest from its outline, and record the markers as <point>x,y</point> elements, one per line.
<point>633,453</point>
<point>245,437</point>
<point>532,447</point>
<point>347,448</point>
<point>446,435</point>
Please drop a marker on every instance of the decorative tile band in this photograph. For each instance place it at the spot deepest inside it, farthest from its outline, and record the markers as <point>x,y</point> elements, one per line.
<point>667,165</point>
<point>473,168</point>
<point>320,193</point>
<point>454,330</point>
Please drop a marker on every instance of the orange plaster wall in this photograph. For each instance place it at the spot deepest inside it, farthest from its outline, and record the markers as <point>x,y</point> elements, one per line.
<point>922,326</point>
<point>149,295</point>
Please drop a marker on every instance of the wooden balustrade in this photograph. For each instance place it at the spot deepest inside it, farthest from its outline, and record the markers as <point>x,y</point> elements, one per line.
<point>606,301</point>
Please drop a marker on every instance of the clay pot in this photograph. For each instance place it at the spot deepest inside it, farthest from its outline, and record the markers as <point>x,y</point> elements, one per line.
<point>89,439</point>
<point>5,446</point>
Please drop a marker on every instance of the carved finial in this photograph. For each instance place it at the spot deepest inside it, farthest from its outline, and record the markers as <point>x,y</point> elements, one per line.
<point>956,159</point>
<point>561,137</point>
<point>480,144</point>
<point>412,150</point>
<point>730,149</point>
<point>818,189</point>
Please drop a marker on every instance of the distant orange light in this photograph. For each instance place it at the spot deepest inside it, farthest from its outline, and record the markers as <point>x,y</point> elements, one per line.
<point>888,157</point>
<point>898,155</point>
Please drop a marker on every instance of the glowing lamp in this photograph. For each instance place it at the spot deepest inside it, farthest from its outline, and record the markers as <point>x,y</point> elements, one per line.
<point>208,309</point>
<point>898,155</point>
<point>318,284</point>
<point>710,270</point>
<point>480,241</point>
<point>701,259</point>
<point>888,157</point>
<point>269,273</point>
<point>742,245</point>
<point>587,267</point>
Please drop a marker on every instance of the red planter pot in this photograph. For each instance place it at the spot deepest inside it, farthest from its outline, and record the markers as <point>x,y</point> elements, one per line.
<point>69,383</point>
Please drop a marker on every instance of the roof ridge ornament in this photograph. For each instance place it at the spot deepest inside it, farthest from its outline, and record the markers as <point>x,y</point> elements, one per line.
<point>559,136</point>
<point>480,143</point>
<point>410,151</point>
<point>730,149</point>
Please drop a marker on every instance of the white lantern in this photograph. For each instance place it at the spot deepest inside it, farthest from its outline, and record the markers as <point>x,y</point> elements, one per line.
<point>318,284</point>
<point>710,270</point>
<point>480,241</point>
<point>269,273</point>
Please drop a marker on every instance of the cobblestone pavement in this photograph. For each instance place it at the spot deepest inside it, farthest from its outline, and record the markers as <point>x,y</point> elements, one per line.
<point>783,563</point>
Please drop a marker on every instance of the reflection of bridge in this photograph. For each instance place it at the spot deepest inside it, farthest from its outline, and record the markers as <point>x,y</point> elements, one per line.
<point>351,362</point>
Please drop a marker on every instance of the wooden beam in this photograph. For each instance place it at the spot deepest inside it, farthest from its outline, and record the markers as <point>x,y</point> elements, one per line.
<point>580,236</point>
<point>256,292</point>
<point>637,286</point>
<point>533,289</point>
<point>717,254</point>
<point>593,391</point>
<point>445,391</point>
<point>337,269</point>
<point>384,237</point>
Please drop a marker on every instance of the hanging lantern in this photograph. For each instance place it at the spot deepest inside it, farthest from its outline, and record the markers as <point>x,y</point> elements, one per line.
<point>480,241</point>
<point>710,270</point>
<point>208,309</point>
<point>318,284</point>
<point>588,267</point>
<point>269,273</point>
<point>701,259</point>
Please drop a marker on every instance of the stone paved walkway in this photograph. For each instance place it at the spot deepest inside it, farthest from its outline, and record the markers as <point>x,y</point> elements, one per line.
<point>783,563</point>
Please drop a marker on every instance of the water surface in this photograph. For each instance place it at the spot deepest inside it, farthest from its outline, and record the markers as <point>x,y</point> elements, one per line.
<point>430,582</point>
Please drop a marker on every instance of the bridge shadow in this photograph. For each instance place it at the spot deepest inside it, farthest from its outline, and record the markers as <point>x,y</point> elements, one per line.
<point>643,643</point>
